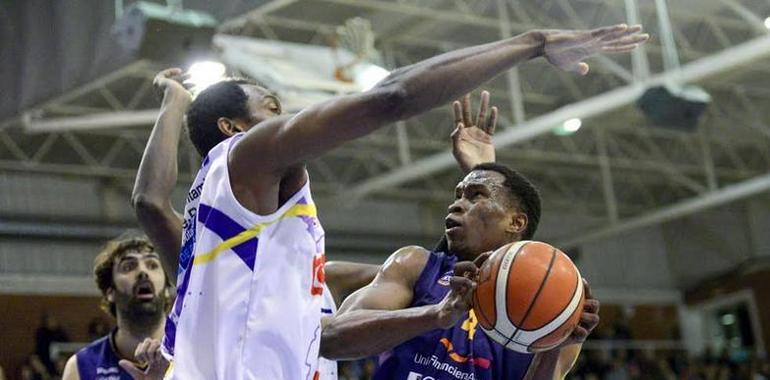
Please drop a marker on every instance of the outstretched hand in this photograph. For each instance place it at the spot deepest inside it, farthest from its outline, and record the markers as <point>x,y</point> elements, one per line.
<point>567,49</point>
<point>472,137</point>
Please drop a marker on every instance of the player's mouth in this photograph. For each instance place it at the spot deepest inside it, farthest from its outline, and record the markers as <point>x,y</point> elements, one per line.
<point>144,290</point>
<point>452,225</point>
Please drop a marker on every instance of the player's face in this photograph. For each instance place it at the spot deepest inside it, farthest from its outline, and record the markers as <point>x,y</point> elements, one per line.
<point>480,219</point>
<point>261,104</point>
<point>139,283</point>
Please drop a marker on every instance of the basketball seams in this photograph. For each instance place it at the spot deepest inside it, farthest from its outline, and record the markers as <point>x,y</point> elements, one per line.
<point>476,300</point>
<point>574,305</point>
<point>503,322</point>
<point>559,314</point>
<point>534,299</point>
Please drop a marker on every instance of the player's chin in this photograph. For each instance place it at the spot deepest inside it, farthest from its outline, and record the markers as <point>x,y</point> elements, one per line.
<point>454,242</point>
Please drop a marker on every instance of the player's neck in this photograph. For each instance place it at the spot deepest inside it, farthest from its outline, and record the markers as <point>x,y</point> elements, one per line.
<point>130,333</point>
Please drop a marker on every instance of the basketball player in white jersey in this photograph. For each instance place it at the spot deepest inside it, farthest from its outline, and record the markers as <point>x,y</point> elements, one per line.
<point>151,199</point>
<point>248,304</point>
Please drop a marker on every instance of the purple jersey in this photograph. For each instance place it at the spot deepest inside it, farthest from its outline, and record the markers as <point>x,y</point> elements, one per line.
<point>462,352</point>
<point>98,361</point>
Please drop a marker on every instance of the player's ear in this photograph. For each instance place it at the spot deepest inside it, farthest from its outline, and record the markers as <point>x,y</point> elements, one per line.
<point>518,223</point>
<point>110,295</point>
<point>227,126</point>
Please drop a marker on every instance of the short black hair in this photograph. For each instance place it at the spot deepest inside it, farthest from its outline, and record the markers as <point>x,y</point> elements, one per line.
<point>522,190</point>
<point>222,99</point>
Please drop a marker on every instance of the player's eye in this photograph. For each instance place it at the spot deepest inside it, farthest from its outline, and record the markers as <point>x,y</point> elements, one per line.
<point>127,266</point>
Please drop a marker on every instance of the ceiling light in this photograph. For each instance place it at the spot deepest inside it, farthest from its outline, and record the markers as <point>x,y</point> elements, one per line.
<point>767,23</point>
<point>569,127</point>
<point>728,319</point>
<point>367,75</point>
<point>205,73</point>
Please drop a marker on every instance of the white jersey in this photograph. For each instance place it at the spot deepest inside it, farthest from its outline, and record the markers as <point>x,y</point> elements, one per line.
<point>250,287</point>
<point>327,369</point>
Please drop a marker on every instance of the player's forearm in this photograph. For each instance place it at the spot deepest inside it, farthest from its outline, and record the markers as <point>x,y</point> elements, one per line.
<point>441,79</point>
<point>362,333</point>
<point>545,365</point>
<point>157,173</point>
<point>554,364</point>
<point>155,181</point>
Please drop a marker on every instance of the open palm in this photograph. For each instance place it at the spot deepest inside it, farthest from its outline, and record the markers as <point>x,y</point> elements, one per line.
<point>566,49</point>
<point>472,138</point>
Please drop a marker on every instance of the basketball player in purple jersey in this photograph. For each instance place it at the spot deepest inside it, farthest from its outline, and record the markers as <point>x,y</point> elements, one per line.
<point>416,313</point>
<point>136,292</point>
<point>278,145</point>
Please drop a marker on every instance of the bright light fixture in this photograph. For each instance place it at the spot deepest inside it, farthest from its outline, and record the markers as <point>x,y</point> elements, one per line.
<point>572,125</point>
<point>728,319</point>
<point>368,75</point>
<point>568,127</point>
<point>204,74</point>
<point>767,23</point>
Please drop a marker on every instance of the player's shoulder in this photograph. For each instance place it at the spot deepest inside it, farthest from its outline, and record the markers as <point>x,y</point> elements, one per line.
<point>406,262</point>
<point>71,369</point>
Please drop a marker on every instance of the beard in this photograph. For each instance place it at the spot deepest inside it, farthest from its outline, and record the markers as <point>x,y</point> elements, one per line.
<point>141,315</point>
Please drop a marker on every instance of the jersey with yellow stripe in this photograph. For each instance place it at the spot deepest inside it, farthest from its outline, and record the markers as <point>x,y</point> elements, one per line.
<point>249,294</point>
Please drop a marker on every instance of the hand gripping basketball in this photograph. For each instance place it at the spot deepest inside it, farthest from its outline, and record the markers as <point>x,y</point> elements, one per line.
<point>458,301</point>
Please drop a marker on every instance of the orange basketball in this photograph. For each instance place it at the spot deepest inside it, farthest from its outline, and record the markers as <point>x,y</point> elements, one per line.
<point>529,296</point>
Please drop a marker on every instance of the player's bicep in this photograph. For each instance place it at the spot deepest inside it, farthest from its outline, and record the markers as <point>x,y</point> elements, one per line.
<point>393,286</point>
<point>379,295</point>
<point>284,141</point>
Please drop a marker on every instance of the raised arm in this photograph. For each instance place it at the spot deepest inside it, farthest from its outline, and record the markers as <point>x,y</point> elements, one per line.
<point>281,143</point>
<point>157,175</point>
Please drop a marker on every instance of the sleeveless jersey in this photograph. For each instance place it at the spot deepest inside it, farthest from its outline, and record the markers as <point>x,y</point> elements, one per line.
<point>98,361</point>
<point>462,352</point>
<point>249,291</point>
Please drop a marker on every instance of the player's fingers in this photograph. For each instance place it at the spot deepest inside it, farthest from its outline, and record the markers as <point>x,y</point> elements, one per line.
<point>141,351</point>
<point>467,110</point>
<point>466,269</point>
<point>461,285</point>
<point>599,32</point>
<point>456,132</point>
<point>170,72</point>
<point>586,288</point>
<point>481,259</point>
<point>589,321</point>
<point>481,119</point>
<point>492,124</point>
<point>129,367</point>
<point>458,112</point>
<point>628,40</point>
<point>619,48</point>
<point>154,351</point>
<point>579,334</point>
<point>591,306</point>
